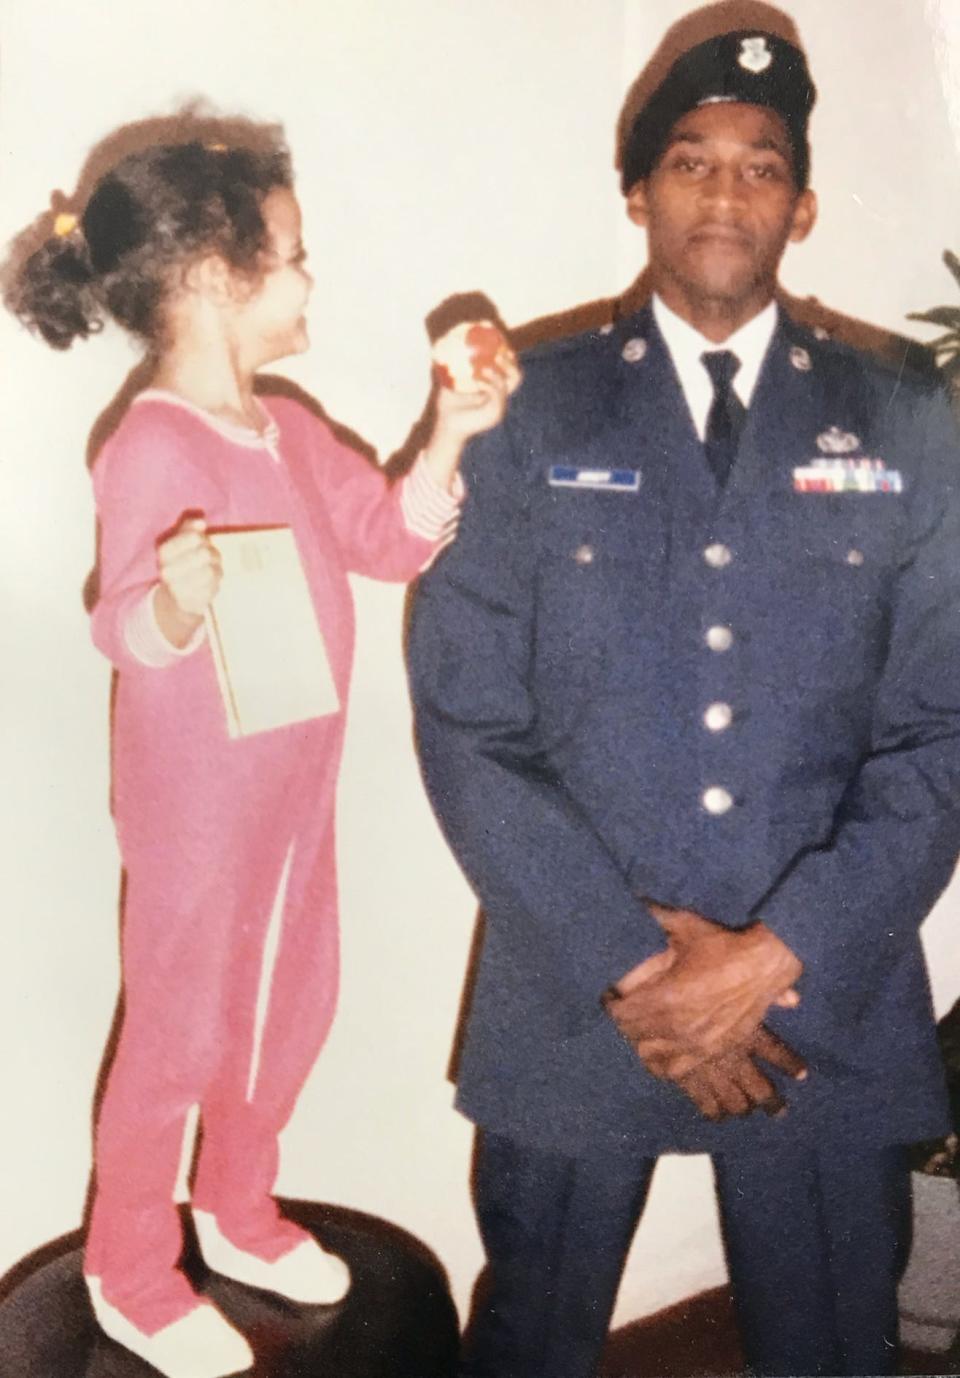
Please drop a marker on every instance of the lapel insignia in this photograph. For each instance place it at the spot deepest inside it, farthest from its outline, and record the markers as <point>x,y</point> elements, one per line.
<point>754,55</point>
<point>634,350</point>
<point>800,358</point>
<point>602,480</point>
<point>607,328</point>
<point>837,442</point>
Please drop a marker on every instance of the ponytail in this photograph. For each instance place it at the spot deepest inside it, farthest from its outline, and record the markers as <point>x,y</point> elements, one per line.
<point>144,220</point>
<point>55,291</point>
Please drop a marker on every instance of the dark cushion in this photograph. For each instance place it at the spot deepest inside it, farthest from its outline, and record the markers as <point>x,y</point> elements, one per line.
<point>397,1321</point>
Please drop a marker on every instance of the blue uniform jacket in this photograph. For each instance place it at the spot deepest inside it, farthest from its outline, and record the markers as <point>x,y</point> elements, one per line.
<point>600,598</point>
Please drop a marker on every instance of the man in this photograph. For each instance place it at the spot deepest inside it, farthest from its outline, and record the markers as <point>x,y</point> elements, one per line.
<point>688,700</point>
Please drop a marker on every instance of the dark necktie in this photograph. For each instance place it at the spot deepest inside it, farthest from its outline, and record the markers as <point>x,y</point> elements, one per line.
<point>727,413</point>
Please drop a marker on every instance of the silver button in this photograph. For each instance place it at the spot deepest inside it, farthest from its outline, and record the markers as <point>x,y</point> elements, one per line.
<point>634,350</point>
<point>855,557</point>
<point>584,555</point>
<point>717,800</point>
<point>800,359</point>
<point>717,555</point>
<point>718,717</point>
<point>719,638</point>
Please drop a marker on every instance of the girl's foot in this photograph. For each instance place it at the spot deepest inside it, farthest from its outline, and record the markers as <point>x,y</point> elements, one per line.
<point>305,1273</point>
<point>201,1344</point>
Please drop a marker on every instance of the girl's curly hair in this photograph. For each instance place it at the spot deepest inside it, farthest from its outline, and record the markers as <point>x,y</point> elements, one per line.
<point>146,218</point>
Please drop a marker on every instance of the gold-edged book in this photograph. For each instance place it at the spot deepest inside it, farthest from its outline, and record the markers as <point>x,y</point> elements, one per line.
<point>268,649</point>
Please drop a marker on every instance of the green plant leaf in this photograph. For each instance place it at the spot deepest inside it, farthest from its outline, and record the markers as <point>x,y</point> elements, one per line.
<point>948,316</point>
<point>950,341</point>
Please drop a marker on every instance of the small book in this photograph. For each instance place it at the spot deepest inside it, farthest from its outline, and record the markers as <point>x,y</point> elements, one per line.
<point>268,649</point>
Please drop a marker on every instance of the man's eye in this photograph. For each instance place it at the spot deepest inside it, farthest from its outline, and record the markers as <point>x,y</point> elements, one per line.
<point>686,164</point>
<point>764,172</point>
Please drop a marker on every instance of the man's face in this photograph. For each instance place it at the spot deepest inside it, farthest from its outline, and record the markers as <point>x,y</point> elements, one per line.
<point>720,207</point>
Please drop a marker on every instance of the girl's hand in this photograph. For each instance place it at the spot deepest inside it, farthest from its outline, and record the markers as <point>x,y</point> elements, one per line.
<point>465,413</point>
<point>189,577</point>
<point>469,401</point>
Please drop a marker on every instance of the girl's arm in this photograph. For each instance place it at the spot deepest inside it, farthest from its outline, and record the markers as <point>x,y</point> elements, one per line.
<point>149,494</point>
<point>394,530</point>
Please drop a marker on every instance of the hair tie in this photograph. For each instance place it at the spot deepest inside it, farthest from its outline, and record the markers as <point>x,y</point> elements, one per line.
<point>65,224</point>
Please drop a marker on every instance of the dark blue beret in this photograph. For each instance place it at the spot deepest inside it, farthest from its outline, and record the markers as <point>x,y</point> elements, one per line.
<point>748,65</point>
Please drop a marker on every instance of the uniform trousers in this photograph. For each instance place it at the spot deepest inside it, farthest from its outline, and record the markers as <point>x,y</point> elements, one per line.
<point>816,1242</point>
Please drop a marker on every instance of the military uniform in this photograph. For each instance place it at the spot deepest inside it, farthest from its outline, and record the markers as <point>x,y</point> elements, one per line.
<point>744,702</point>
<point>705,649</point>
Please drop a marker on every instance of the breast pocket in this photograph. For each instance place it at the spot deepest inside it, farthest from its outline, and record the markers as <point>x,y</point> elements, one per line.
<point>601,532</point>
<point>831,564</point>
<point>854,538</point>
<point>599,569</point>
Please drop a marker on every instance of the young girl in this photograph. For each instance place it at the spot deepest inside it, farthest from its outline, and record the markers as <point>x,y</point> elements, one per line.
<point>196,249</point>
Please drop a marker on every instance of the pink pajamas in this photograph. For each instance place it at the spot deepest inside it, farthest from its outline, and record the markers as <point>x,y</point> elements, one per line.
<point>205,825</point>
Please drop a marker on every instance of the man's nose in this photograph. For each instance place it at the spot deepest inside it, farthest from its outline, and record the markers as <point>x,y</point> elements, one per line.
<point>724,188</point>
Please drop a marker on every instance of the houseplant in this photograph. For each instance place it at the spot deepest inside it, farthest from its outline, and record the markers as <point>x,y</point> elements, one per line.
<point>946,347</point>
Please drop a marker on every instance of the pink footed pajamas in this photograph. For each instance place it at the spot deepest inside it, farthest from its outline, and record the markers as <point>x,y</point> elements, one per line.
<point>209,827</point>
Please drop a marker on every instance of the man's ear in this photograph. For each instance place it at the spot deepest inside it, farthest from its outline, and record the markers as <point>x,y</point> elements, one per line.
<point>804,216</point>
<point>637,203</point>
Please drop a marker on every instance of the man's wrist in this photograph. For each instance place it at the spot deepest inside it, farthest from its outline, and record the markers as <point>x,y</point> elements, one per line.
<point>773,951</point>
<point>651,967</point>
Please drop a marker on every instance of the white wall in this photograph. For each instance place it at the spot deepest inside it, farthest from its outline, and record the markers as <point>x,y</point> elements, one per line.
<point>441,146</point>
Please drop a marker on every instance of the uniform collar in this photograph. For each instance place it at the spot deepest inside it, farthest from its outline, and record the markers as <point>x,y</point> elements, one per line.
<point>685,346</point>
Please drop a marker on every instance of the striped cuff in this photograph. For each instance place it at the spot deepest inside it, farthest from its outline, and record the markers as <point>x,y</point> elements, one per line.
<point>430,511</point>
<point>147,643</point>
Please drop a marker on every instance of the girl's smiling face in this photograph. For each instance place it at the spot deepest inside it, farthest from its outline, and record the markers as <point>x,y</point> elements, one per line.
<point>269,321</point>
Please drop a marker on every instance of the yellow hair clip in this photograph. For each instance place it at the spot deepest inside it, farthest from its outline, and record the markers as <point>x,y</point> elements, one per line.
<point>65,224</point>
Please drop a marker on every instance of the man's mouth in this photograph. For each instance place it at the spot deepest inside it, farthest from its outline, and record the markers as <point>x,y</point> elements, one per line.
<point>720,236</point>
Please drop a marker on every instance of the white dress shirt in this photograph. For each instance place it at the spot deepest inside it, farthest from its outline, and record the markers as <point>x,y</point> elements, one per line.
<point>685,346</point>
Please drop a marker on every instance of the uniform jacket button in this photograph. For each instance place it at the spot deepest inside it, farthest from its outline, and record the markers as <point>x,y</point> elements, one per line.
<point>719,638</point>
<point>718,555</point>
<point>718,717</point>
<point>717,800</point>
<point>583,554</point>
<point>855,558</point>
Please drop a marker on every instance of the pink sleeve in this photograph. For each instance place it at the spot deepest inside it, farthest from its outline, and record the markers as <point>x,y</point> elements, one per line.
<point>145,478</point>
<point>146,642</point>
<point>385,530</point>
